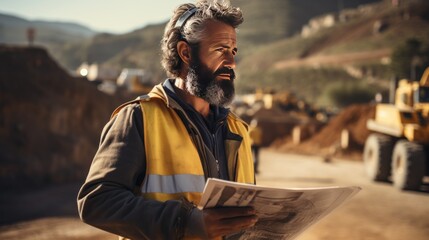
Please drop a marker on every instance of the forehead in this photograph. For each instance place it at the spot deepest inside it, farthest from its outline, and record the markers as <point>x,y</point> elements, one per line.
<point>219,32</point>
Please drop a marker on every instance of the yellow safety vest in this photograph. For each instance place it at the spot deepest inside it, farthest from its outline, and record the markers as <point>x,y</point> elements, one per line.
<point>173,165</point>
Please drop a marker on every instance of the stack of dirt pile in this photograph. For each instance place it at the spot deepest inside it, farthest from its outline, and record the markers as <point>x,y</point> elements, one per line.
<point>276,123</point>
<point>50,122</point>
<point>327,141</point>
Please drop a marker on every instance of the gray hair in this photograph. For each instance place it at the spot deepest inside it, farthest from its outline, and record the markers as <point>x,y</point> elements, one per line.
<point>191,31</point>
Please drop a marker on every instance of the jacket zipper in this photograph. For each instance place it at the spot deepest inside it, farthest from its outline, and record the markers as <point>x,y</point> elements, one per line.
<point>215,147</point>
<point>215,154</point>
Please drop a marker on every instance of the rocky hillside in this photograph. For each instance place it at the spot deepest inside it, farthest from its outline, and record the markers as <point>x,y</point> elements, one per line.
<point>50,122</point>
<point>265,22</point>
<point>350,54</point>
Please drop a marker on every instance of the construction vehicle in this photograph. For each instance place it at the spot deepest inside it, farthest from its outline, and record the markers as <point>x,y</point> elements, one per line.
<point>397,148</point>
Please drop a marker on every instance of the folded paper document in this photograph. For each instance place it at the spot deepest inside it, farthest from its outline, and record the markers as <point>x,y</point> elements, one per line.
<point>283,213</point>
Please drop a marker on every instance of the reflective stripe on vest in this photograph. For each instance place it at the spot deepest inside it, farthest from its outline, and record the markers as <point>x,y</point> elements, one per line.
<point>178,183</point>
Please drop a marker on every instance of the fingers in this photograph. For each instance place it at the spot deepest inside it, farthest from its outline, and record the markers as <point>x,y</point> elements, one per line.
<point>230,212</point>
<point>231,225</point>
<point>225,221</point>
<point>241,222</point>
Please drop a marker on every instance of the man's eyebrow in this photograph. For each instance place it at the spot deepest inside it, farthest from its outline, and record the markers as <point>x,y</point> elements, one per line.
<point>227,46</point>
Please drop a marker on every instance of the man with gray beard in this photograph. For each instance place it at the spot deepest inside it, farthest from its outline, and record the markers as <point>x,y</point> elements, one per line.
<point>157,152</point>
<point>201,82</point>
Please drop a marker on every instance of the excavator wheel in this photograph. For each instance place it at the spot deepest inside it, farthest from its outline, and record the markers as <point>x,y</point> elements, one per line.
<point>377,156</point>
<point>408,165</point>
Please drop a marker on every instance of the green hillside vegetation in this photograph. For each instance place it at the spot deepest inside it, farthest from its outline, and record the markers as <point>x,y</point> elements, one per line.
<point>138,49</point>
<point>141,47</point>
<point>271,20</point>
<point>284,65</point>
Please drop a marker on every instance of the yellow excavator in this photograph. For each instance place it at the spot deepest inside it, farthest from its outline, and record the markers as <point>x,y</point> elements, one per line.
<point>397,148</point>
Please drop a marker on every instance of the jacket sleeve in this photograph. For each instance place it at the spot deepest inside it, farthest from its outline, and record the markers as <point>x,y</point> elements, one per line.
<point>109,198</point>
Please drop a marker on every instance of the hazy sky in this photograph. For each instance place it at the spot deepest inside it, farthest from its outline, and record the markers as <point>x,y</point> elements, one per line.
<point>114,16</point>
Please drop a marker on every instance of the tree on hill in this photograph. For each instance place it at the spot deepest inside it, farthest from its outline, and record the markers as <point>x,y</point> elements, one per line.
<point>410,59</point>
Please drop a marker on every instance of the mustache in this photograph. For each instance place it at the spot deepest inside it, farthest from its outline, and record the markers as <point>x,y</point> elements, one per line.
<point>225,70</point>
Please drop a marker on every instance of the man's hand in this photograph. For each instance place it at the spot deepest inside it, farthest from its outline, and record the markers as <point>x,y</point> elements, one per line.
<point>227,220</point>
<point>222,221</point>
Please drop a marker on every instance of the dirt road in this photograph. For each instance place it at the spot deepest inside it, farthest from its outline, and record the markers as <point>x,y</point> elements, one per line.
<point>378,212</point>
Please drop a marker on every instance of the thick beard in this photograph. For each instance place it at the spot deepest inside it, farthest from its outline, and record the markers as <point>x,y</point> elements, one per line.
<point>202,83</point>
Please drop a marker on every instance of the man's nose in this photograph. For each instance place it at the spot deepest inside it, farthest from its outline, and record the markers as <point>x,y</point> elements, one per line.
<point>230,61</point>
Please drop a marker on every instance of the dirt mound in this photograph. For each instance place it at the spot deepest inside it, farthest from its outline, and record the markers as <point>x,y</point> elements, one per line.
<point>327,140</point>
<point>276,123</point>
<point>50,122</point>
<point>353,119</point>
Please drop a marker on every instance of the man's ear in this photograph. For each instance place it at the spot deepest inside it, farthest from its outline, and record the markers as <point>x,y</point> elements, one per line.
<point>184,51</point>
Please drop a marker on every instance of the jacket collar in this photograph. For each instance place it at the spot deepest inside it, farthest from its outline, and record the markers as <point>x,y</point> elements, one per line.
<point>159,92</point>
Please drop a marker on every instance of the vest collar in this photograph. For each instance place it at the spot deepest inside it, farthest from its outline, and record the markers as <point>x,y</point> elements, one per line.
<point>159,93</point>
